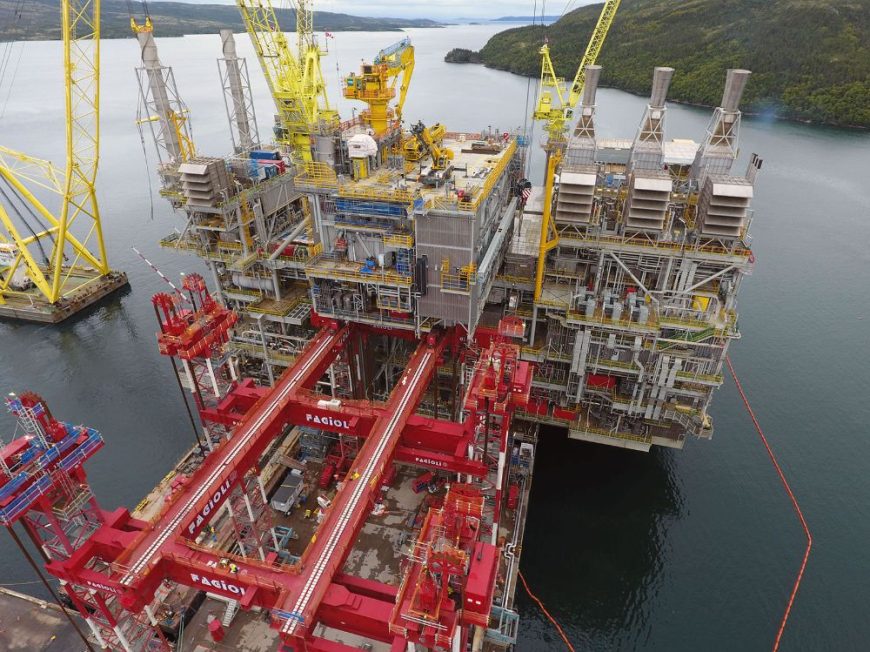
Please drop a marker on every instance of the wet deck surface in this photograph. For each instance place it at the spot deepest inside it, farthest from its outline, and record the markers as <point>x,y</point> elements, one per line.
<point>248,632</point>
<point>35,625</point>
<point>377,555</point>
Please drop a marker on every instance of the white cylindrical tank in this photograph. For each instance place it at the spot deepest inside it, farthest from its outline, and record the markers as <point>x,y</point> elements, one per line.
<point>617,311</point>
<point>642,314</point>
<point>590,307</point>
<point>251,283</point>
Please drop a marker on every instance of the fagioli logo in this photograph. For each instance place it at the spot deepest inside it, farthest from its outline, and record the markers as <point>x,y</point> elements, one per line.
<point>215,583</point>
<point>330,422</point>
<point>428,461</point>
<point>101,587</point>
<point>214,502</point>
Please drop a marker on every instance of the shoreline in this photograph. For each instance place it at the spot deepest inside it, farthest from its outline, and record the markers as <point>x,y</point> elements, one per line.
<point>752,114</point>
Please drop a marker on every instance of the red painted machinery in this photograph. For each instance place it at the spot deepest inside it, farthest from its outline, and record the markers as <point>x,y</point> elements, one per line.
<point>119,562</point>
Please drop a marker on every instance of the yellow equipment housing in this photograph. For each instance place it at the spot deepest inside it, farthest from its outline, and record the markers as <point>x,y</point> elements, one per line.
<point>376,85</point>
<point>425,140</point>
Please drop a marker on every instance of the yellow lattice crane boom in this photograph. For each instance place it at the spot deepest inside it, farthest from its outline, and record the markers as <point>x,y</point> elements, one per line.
<point>556,118</point>
<point>295,80</point>
<point>552,88</point>
<point>376,85</point>
<point>58,251</point>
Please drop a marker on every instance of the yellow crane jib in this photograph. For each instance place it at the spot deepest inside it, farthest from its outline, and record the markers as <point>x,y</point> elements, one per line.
<point>555,107</point>
<point>295,79</point>
<point>50,258</point>
<point>376,85</point>
<point>552,88</point>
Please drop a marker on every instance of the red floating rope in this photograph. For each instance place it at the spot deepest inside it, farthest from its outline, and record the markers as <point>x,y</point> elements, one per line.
<point>546,613</point>
<point>791,496</point>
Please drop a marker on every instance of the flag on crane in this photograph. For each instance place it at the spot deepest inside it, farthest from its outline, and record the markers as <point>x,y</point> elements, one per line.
<point>524,190</point>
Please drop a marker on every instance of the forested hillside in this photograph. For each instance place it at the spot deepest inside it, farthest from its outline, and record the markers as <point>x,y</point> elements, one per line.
<point>810,58</point>
<point>31,20</point>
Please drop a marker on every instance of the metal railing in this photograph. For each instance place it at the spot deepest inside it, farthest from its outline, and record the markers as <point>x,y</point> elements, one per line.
<point>325,265</point>
<point>600,317</point>
<point>715,250</point>
<point>480,192</point>
<point>398,240</point>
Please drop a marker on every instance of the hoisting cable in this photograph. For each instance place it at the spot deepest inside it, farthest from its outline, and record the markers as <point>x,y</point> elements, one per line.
<point>546,613</point>
<point>526,133</point>
<point>791,496</point>
<point>7,54</point>
<point>161,274</point>
<point>24,221</point>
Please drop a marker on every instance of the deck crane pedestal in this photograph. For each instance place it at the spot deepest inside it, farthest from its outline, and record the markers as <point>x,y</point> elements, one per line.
<point>52,258</point>
<point>376,86</point>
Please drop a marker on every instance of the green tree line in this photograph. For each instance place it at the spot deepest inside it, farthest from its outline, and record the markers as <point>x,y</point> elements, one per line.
<point>810,58</point>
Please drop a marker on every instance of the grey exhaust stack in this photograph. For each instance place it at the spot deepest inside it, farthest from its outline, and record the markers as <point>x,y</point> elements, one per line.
<point>720,147</point>
<point>648,148</point>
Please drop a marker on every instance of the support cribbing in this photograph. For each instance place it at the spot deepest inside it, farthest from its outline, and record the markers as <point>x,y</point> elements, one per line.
<point>791,496</point>
<point>546,613</point>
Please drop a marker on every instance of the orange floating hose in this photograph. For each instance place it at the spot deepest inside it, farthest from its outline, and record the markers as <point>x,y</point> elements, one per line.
<point>546,613</point>
<point>791,496</point>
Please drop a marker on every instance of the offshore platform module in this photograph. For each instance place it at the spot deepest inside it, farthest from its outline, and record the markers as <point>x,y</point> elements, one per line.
<point>395,310</point>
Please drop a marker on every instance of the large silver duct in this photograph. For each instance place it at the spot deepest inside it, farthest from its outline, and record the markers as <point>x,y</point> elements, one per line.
<point>719,150</point>
<point>155,86</point>
<point>647,151</point>
<point>735,84</point>
<point>661,82</point>
<point>228,44</point>
<point>581,146</point>
<point>593,74</point>
<point>237,95</point>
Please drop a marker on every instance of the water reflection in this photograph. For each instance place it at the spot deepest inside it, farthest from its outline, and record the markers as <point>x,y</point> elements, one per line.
<point>596,542</point>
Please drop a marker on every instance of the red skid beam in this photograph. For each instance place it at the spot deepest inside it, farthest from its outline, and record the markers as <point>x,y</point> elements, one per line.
<point>210,486</point>
<point>325,557</point>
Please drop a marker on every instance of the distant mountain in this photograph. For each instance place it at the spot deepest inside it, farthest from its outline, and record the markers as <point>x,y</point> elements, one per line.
<point>810,58</point>
<point>40,20</point>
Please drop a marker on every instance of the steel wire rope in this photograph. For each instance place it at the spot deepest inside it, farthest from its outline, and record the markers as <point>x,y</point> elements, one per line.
<point>147,172</point>
<point>791,496</point>
<point>139,126</point>
<point>24,221</point>
<point>530,133</point>
<point>565,8</point>
<point>6,56</point>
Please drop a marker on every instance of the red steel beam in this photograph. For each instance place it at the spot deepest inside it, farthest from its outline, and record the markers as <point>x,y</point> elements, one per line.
<point>326,555</point>
<point>155,551</point>
<point>210,486</point>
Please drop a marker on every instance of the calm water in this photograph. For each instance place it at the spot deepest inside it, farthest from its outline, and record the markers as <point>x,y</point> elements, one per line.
<point>694,550</point>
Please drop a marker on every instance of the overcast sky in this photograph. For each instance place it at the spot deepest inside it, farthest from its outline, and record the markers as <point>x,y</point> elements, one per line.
<point>443,9</point>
